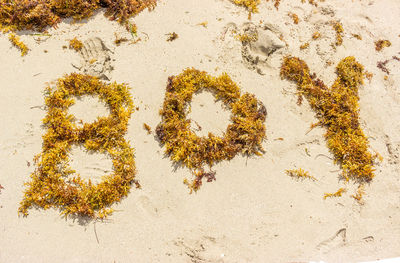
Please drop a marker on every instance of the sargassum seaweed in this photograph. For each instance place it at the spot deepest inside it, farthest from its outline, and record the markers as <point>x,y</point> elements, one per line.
<point>39,14</point>
<point>244,135</point>
<point>337,109</point>
<point>54,183</point>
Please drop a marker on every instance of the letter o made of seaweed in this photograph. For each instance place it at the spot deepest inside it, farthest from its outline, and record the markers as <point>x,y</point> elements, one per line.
<point>244,135</point>
<point>54,183</point>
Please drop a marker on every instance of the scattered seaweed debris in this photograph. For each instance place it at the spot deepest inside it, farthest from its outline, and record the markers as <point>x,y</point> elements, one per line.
<point>244,135</point>
<point>380,44</point>
<point>382,66</point>
<point>337,109</point>
<point>369,75</point>
<point>301,174</point>
<point>54,183</point>
<point>359,194</point>
<point>1,187</point>
<point>75,44</point>
<point>15,40</point>
<point>337,26</point>
<point>203,24</point>
<point>338,193</point>
<point>304,46</point>
<point>250,36</point>
<point>294,17</point>
<point>278,2</point>
<point>37,15</point>
<point>251,5</point>
<point>316,35</point>
<point>119,40</point>
<point>172,36</point>
<point>147,128</point>
<point>198,181</point>
<point>357,36</point>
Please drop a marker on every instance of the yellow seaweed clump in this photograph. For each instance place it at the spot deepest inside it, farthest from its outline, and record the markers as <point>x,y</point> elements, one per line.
<point>380,44</point>
<point>15,40</point>
<point>251,5</point>
<point>75,44</point>
<point>337,109</point>
<point>294,17</point>
<point>244,135</point>
<point>54,183</point>
<point>37,15</point>
<point>337,26</point>
<point>247,37</point>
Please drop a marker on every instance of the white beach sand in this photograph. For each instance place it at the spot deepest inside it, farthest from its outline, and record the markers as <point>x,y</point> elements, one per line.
<point>253,212</point>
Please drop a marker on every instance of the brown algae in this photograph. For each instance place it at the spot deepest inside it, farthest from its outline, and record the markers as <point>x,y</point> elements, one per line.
<point>75,44</point>
<point>251,5</point>
<point>380,44</point>
<point>54,183</point>
<point>244,135</point>
<point>337,109</point>
<point>37,15</point>
<point>337,26</point>
<point>15,40</point>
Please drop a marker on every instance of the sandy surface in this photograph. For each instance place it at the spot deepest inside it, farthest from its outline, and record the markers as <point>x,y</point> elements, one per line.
<point>253,212</point>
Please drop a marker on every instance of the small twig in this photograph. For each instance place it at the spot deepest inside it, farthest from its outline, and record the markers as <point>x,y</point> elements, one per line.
<point>38,107</point>
<point>95,232</point>
<point>147,35</point>
<point>321,154</point>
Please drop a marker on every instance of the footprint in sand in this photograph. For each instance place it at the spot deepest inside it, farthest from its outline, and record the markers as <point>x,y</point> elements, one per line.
<point>256,54</point>
<point>147,206</point>
<point>393,149</point>
<point>338,240</point>
<point>96,60</point>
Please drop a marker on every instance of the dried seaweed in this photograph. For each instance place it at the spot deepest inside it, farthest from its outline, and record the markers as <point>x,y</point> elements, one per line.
<point>304,46</point>
<point>203,24</point>
<point>337,109</point>
<point>359,194</point>
<point>294,17</point>
<point>382,66</point>
<point>338,193</point>
<point>54,183</point>
<point>300,174</point>
<point>251,36</point>
<point>278,2</point>
<point>119,40</point>
<point>15,40</point>
<point>316,35</point>
<point>75,44</point>
<point>357,36</point>
<point>251,5</point>
<point>337,26</point>
<point>380,44</point>
<point>147,128</point>
<point>244,135</point>
<point>39,14</point>
<point>172,36</point>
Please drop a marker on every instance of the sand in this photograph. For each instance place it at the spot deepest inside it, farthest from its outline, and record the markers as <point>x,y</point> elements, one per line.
<point>253,212</point>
